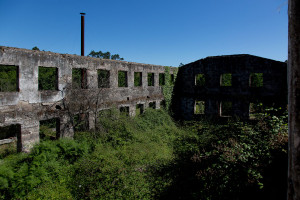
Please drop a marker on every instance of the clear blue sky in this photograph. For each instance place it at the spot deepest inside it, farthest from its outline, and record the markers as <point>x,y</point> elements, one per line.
<point>163,32</point>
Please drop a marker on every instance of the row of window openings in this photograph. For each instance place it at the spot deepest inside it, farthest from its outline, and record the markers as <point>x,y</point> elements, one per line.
<point>226,108</point>
<point>255,80</point>
<point>50,129</point>
<point>48,78</point>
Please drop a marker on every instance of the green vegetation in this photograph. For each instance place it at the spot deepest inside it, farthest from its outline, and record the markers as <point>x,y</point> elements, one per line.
<point>256,80</point>
<point>168,87</point>
<point>151,157</point>
<point>200,80</point>
<point>226,80</point>
<point>47,78</point>
<point>8,78</point>
<point>103,78</point>
<point>137,79</point>
<point>105,55</point>
<point>122,79</point>
<point>150,79</point>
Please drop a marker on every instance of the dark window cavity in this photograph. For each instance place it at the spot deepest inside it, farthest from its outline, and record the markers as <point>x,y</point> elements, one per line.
<point>122,79</point>
<point>9,78</point>
<point>48,78</point>
<point>226,80</point>
<point>199,107</point>
<point>256,80</point>
<point>79,80</point>
<point>161,79</point>
<point>137,79</point>
<point>150,79</point>
<point>103,78</point>
<point>200,80</point>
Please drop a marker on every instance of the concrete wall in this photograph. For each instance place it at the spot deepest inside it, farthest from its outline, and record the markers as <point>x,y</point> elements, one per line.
<point>28,105</point>
<point>240,94</point>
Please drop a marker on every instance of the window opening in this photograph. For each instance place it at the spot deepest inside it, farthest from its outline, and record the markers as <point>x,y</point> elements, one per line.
<point>137,79</point>
<point>200,80</point>
<point>199,107</point>
<point>255,110</point>
<point>256,80</point>
<point>152,105</point>
<point>79,78</point>
<point>139,109</point>
<point>10,140</point>
<point>48,78</point>
<point>124,110</point>
<point>161,79</point>
<point>103,78</point>
<point>50,129</point>
<point>226,80</point>
<point>122,79</point>
<point>9,78</point>
<point>226,108</point>
<point>150,79</point>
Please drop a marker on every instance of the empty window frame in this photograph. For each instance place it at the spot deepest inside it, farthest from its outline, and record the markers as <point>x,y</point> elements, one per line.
<point>162,79</point>
<point>226,108</point>
<point>152,105</point>
<point>122,79</point>
<point>10,140</point>
<point>79,80</point>
<point>103,78</point>
<point>50,129</point>
<point>139,109</point>
<point>199,108</point>
<point>124,110</point>
<point>226,80</point>
<point>200,80</point>
<point>9,78</point>
<point>137,79</point>
<point>48,78</point>
<point>150,79</point>
<point>255,110</point>
<point>256,80</point>
<point>163,104</point>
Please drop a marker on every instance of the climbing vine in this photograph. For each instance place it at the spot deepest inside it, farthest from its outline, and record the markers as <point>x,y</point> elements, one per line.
<point>169,85</point>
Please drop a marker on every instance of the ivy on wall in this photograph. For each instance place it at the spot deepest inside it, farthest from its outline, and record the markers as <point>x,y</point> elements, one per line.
<point>168,87</point>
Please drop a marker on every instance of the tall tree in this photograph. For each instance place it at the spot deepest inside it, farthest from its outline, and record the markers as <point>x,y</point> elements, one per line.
<point>105,55</point>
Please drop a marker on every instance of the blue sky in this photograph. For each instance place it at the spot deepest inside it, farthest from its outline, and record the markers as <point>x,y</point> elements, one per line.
<point>162,32</point>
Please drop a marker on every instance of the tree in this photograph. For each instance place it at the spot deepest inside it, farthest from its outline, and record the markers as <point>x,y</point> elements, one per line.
<point>36,48</point>
<point>105,55</point>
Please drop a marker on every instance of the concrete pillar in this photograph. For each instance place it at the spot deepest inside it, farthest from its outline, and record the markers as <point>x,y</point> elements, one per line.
<point>66,128</point>
<point>294,100</point>
<point>92,79</point>
<point>29,134</point>
<point>91,119</point>
<point>156,80</point>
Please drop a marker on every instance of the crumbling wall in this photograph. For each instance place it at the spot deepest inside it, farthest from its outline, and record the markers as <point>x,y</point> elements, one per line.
<point>28,105</point>
<point>272,91</point>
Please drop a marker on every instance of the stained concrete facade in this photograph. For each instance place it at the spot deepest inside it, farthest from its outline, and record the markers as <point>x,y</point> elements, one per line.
<point>28,105</point>
<point>240,94</point>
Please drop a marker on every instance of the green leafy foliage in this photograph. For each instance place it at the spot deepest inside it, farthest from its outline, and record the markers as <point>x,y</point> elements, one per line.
<point>105,55</point>
<point>168,87</point>
<point>150,157</point>
<point>226,80</point>
<point>150,79</point>
<point>122,79</point>
<point>200,79</point>
<point>137,79</point>
<point>47,78</point>
<point>256,80</point>
<point>8,78</point>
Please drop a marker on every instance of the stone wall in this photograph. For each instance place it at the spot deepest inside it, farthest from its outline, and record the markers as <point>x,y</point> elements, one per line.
<point>272,92</point>
<point>28,105</point>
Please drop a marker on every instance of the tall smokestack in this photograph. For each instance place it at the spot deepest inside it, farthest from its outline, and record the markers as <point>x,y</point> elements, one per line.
<point>82,33</point>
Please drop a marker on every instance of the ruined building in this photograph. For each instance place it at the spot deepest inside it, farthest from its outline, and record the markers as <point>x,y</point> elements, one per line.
<point>61,87</point>
<point>45,87</point>
<point>225,86</point>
